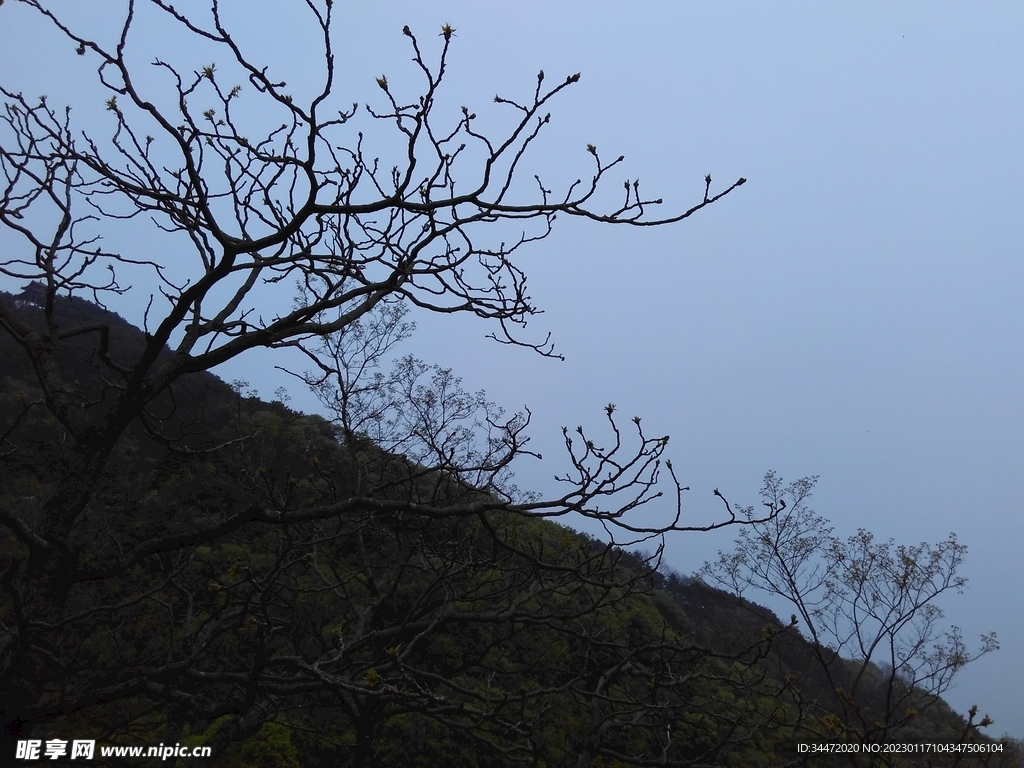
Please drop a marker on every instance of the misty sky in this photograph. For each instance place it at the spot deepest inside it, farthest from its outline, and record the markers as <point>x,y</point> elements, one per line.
<point>855,311</point>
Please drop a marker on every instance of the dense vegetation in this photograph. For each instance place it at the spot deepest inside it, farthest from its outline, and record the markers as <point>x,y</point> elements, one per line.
<point>382,636</point>
<point>183,563</point>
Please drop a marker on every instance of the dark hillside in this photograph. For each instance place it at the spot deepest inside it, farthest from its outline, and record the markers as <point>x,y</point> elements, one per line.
<point>377,630</point>
<point>195,397</point>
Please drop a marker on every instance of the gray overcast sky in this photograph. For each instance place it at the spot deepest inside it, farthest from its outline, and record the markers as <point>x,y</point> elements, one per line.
<point>855,311</point>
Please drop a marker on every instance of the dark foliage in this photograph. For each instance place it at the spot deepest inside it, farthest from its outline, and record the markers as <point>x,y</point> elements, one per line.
<point>381,637</point>
<point>181,563</point>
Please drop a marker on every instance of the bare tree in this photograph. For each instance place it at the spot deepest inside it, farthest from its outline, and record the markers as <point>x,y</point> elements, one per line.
<point>867,609</point>
<point>345,561</point>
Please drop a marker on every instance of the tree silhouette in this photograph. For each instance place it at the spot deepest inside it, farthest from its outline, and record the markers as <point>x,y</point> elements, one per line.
<point>184,569</point>
<point>879,655</point>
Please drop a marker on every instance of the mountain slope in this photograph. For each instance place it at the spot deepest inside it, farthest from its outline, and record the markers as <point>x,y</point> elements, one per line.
<point>390,627</point>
